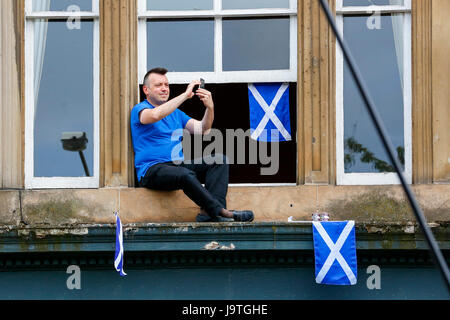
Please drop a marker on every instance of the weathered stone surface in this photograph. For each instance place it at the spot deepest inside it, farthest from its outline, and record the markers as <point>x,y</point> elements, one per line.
<point>275,203</point>
<point>9,208</point>
<point>385,203</point>
<point>143,205</point>
<point>69,207</point>
<point>364,204</point>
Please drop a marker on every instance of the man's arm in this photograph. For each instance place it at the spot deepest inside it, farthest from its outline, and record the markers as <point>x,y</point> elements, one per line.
<point>148,116</point>
<point>203,127</point>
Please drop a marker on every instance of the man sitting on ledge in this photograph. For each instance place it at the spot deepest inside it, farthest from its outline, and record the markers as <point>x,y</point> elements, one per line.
<point>153,122</point>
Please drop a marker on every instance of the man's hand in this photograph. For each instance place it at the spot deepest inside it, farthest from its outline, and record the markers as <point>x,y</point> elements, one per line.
<point>204,126</point>
<point>206,97</point>
<point>189,90</point>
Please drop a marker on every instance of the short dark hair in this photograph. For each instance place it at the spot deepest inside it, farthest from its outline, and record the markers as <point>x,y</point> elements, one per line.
<point>161,71</point>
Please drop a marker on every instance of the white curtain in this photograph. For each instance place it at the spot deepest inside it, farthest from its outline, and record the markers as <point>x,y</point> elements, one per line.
<point>397,25</point>
<point>40,40</point>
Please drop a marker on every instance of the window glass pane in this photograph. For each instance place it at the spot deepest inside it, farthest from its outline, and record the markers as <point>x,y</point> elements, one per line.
<point>181,45</point>
<point>255,44</point>
<point>180,5</point>
<point>379,55</point>
<point>254,4</point>
<point>372,2</point>
<point>62,5</point>
<point>64,83</point>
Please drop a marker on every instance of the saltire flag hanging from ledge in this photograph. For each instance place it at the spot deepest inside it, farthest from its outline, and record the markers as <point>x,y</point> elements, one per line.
<point>335,252</point>
<point>269,112</point>
<point>118,259</point>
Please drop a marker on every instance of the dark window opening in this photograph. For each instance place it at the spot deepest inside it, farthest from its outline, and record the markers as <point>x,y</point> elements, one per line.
<point>231,110</point>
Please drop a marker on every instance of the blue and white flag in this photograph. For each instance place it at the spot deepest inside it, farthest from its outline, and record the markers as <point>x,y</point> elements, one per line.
<point>335,252</point>
<point>269,112</point>
<point>118,260</point>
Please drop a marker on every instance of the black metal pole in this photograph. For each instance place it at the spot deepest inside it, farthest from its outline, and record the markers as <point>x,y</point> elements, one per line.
<point>382,132</point>
<point>83,160</point>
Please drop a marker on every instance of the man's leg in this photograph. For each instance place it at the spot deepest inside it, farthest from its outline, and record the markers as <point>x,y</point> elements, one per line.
<point>214,173</point>
<point>168,177</point>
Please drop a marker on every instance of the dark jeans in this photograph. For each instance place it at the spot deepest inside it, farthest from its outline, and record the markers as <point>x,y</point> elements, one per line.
<point>169,176</point>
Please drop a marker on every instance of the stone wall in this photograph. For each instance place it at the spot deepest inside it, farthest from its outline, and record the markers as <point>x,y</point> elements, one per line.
<point>139,205</point>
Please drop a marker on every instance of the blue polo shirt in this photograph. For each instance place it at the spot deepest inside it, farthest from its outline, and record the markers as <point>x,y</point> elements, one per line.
<point>153,143</point>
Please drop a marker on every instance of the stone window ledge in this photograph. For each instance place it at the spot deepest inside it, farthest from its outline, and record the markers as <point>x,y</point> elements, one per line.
<point>369,204</point>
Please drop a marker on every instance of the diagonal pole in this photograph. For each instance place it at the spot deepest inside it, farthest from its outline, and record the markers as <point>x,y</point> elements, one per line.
<point>436,252</point>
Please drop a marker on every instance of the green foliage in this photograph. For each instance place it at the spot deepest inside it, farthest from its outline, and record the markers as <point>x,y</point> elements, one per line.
<point>368,157</point>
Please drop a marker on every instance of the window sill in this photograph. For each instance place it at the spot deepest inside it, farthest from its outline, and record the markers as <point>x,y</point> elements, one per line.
<point>364,204</point>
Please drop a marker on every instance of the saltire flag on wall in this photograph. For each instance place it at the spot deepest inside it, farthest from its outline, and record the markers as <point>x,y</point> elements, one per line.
<point>269,112</point>
<point>335,252</point>
<point>118,259</point>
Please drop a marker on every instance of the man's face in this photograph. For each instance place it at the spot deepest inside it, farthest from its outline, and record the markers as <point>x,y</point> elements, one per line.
<point>157,89</point>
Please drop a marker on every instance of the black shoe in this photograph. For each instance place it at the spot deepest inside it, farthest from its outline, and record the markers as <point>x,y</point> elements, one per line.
<point>203,217</point>
<point>244,216</point>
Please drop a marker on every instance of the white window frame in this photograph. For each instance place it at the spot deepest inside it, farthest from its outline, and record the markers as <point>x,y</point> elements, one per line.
<point>374,178</point>
<point>32,182</point>
<point>218,75</point>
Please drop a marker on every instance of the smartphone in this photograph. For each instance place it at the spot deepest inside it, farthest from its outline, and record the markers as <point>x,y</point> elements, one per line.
<point>202,85</point>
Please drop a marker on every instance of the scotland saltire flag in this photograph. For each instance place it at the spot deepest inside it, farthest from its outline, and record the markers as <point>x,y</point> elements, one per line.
<point>335,252</point>
<point>269,112</point>
<point>118,260</point>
